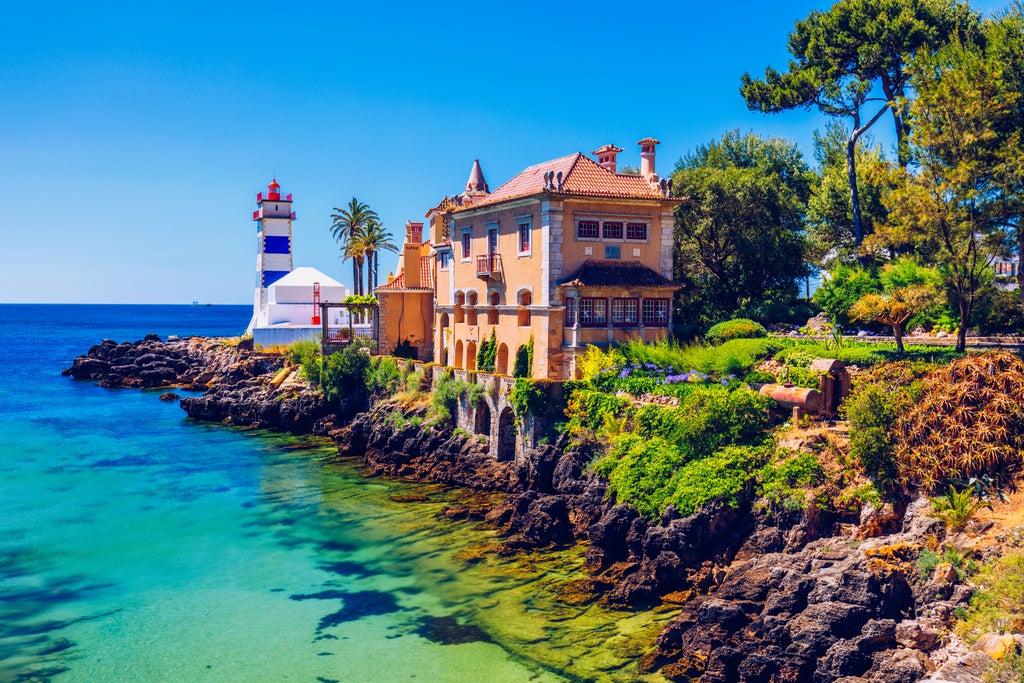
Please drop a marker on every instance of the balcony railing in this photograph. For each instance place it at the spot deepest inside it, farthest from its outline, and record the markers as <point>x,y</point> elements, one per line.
<point>487,265</point>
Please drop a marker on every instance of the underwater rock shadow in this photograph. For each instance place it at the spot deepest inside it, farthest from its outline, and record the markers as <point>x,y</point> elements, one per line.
<point>448,631</point>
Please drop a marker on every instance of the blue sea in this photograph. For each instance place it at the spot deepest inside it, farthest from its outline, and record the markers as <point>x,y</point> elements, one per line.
<point>137,545</point>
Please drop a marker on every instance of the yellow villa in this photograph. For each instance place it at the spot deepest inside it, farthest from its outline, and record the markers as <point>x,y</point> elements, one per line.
<point>567,253</point>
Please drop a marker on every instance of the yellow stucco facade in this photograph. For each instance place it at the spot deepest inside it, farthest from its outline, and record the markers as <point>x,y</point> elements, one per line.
<point>566,253</point>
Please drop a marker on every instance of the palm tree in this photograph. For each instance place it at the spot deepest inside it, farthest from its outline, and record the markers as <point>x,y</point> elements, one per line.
<point>347,225</point>
<point>374,240</point>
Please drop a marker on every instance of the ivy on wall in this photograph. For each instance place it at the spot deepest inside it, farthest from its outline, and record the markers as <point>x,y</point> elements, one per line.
<point>524,360</point>
<point>487,354</point>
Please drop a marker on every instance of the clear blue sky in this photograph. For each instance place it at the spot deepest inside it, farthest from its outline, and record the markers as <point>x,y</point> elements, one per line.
<point>134,136</point>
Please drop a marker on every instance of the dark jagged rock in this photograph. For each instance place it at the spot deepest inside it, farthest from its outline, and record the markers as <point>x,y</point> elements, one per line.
<point>150,363</point>
<point>401,448</point>
<point>833,610</point>
<point>237,381</point>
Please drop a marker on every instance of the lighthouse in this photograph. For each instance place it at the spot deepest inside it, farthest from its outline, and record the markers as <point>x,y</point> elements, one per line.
<point>273,217</point>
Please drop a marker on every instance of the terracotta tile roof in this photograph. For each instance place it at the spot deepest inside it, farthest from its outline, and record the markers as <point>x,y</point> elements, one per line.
<point>581,175</point>
<point>594,273</point>
<point>397,282</point>
<point>426,272</point>
<point>589,177</point>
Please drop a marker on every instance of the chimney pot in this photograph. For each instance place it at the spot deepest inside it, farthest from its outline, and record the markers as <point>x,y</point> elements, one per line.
<point>647,146</point>
<point>606,156</point>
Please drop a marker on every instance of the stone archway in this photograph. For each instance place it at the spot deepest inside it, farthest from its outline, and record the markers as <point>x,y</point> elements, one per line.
<point>458,354</point>
<point>482,419</point>
<point>507,434</point>
<point>501,361</point>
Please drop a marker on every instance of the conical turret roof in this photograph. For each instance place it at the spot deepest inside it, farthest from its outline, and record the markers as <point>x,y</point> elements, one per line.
<point>476,184</point>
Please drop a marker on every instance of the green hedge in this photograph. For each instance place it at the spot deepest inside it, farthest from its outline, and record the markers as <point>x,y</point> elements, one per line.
<point>737,328</point>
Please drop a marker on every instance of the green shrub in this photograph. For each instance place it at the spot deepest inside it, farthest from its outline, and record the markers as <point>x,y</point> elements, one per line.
<point>530,397</point>
<point>872,410</point>
<point>656,462</point>
<point>592,413</point>
<point>414,382</point>
<point>303,353</point>
<point>785,482</point>
<point>384,378</point>
<point>523,366</point>
<point>344,372</point>
<point>474,394</point>
<point>737,328</point>
<point>998,604</point>
<point>444,398</point>
<point>722,476</point>
<point>487,354</point>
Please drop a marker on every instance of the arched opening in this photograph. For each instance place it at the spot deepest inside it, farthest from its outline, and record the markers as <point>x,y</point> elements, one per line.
<point>507,434</point>
<point>492,311</point>
<point>443,335</point>
<point>501,361</point>
<point>458,354</point>
<point>470,356</point>
<point>525,299</point>
<point>471,309</point>
<point>482,419</point>
<point>460,302</point>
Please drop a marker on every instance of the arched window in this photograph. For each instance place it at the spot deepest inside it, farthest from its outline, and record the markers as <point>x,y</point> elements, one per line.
<point>471,309</point>
<point>492,310</point>
<point>460,313</point>
<point>525,299</point>
<point>471,356</point>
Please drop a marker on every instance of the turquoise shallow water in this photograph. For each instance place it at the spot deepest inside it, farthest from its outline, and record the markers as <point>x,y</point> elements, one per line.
<point>136,545</point>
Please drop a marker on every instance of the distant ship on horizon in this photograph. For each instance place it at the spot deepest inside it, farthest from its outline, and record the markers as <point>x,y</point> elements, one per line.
<point>196,303</point>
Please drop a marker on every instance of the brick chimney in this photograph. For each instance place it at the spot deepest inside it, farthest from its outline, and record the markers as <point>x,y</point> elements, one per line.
<point>606,156</point>
<point>411,254</point>
<point>413,233</point>
<point>647,158</point>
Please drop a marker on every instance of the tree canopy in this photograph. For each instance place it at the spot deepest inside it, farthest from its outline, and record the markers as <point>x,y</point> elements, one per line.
<point>739,238</point>
<point>959,201</point>
<point>853,55</point>
<point>348,225</point>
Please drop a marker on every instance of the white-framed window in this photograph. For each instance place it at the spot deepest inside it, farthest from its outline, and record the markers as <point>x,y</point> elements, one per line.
<point>444,259</point>
<point>467,244</point>
<point>525,236</point>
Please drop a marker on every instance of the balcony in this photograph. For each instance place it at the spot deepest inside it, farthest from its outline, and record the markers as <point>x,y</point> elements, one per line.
<point>488,265</point>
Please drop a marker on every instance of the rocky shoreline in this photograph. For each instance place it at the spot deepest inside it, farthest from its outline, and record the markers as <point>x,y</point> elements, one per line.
<point>765,595</point>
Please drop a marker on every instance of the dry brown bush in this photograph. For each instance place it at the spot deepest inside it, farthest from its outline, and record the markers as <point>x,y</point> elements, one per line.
<point>968,422</point>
